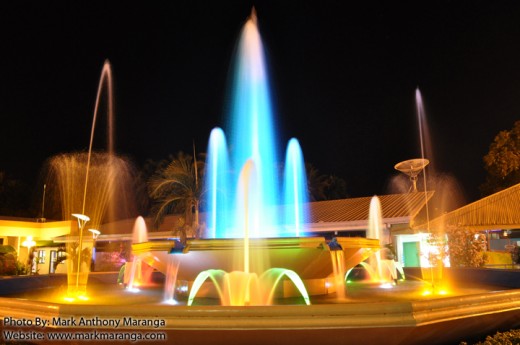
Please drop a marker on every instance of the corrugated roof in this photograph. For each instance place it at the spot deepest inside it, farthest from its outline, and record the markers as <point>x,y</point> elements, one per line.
<point>357,209</point>
<point>497,211</point>
<point>352,214</point>
<point>343,214</point>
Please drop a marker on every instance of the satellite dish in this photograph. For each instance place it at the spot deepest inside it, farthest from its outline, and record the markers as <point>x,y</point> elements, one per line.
<point>412,168</point>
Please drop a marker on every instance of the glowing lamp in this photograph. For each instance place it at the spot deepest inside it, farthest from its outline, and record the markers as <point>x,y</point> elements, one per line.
<point>81,217</point>
<point>95,233</point>
<point>29,242</point>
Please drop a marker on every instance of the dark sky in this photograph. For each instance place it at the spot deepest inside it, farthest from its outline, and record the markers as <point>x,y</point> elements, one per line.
<point>343,77</point>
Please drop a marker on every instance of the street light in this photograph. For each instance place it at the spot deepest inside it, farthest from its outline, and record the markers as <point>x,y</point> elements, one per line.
<point>95,235</point>
<point>81,217</point>
<point>82,221</point>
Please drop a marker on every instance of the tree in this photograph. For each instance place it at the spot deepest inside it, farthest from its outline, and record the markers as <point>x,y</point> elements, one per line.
<point>466,248</point>
<point>324,187</point>
<point>178,188</point>
<point>336,188</point>
<point>316,183</point>
<point>144,175</point>
<point>502,162</point>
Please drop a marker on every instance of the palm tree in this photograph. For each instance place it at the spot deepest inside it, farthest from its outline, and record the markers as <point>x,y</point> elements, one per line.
<point>178,188</point>
<point>317,183</point>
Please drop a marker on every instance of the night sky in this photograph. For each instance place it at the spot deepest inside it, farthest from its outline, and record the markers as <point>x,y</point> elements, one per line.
<point>343,78</point>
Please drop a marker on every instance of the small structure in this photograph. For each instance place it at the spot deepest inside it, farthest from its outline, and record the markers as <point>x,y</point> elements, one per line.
<point>16,231</point>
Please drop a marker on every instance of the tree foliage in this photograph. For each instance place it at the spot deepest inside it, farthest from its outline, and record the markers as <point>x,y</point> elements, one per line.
<point>324,187</point>
<point>178,188</point>
<point>466,248</point>
<point>502,162</point>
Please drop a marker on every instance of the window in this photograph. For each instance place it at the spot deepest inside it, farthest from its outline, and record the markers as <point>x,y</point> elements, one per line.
<point>41,256</point>
<point>52,263</point>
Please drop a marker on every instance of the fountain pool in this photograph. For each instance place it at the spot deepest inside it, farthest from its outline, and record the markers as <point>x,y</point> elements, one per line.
<point>402,316</point>
<point>263,239</point>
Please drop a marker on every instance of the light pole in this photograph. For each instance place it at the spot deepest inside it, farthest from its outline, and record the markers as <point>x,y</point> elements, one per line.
<point>95,234</point>
<point>82,221</point>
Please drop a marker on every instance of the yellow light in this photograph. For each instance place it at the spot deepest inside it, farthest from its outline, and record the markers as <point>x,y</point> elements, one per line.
<point>95,233</point>
<point>83,298</point>
<point>69,299</point>
<point>81,217</point>
<point>29,242</point>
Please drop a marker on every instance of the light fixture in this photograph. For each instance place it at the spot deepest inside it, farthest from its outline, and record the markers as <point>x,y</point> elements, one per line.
<point>81,217</point>
<point>82,220</point>
<point>29,242</point>
<point>95,233</point>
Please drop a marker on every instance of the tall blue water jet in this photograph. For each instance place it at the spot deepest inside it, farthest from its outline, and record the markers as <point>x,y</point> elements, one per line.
<point>295,189</point>
<point>251,125</point>
<point>217,184</point>
<point>252,138</point>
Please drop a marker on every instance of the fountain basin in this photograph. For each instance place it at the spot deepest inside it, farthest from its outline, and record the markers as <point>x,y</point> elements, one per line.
<point>309,257</point>
<point>421,321</point>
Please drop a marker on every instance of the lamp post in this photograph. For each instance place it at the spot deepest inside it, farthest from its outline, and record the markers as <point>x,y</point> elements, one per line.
<point>82,221</point>
<point>95,234</point>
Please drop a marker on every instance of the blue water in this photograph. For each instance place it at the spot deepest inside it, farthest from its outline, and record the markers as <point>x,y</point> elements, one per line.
<point>252,137</point>
<point>295,190</point>
<point>218,198</point>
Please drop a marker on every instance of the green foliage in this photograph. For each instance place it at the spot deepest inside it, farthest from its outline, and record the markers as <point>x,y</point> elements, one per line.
<point>21,269</point>
<point>511,337</point>
<point>8,264</point>
<point>6,249</point>
<point>324,187</point>
<point>502,162</point>
<point>178,188</point>
<point>7,260</point>
<point>466,248</point>
<point>515,255</point>
<point>436,256</point>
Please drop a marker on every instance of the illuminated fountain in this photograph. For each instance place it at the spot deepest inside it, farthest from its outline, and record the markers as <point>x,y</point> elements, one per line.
<point>253,139</point>
<point>266,256</point>
<point>92,187</point>
<point>254,250</point>
<point>447,197</point>
<point>245,287</point>
<point>381,267</point>
<point>137,273</point>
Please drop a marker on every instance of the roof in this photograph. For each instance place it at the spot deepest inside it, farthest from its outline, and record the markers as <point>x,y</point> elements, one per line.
<point>40,230</point>
<point>351,214</point>
<point>331,215</point>
<point>497,211</point>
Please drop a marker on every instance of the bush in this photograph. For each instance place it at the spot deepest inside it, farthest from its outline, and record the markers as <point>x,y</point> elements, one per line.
<point>515,255</point>
<point>511,337</point>
<point>7,260</point>
<point>21,269</point>
<point>466,248</point>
